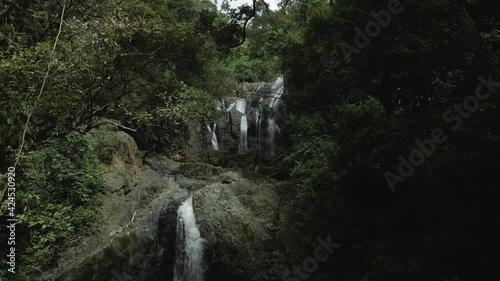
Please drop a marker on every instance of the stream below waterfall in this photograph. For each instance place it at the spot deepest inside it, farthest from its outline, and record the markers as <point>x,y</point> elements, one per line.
<point>189,245</point>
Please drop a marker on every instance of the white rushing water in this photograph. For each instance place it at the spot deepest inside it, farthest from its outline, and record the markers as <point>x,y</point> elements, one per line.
<point>189,245</point>
<point>213,139</point>
<point>272,130</point>
<point>277,90</point>
<point>241,105</point>
<point>260,114</point>
<point>243,133</point>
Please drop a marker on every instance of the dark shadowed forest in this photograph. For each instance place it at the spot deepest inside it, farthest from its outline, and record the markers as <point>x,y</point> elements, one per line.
<point>259,140</point>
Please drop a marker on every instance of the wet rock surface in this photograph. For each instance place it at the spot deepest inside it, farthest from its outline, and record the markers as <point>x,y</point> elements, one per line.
<point>237,216</point>
<point>136,228</point>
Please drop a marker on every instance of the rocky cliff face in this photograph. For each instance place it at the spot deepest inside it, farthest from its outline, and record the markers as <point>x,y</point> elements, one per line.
<point>136,237</point>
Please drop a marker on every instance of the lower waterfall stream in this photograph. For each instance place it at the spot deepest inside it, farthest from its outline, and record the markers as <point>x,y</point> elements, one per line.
<point>189,245</point>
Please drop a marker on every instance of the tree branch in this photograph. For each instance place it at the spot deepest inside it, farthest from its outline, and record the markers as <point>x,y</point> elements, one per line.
<point>25,129</point>
<point>251,16</point>
<point>113,123</point>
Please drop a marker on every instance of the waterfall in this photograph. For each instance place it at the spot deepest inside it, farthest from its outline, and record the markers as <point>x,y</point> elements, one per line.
<point>257,128</point>
<point>189,245</point>
<point>241,105</point>
<point>230,107</point>
<point>215,144</point>
<point>277,90</point>
<point>272,128</point>
<point>243,133</point>
<point>257,123</point>
<point>213,139</point>
<point>259,113</point>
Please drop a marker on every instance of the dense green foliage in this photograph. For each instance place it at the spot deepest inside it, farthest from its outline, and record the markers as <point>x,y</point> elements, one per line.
<point>353,118</point>
<point>62,188</point>
<point>151,66</point>
<point>143,63</point>
<point>70,66</point>
<point>257,59</point>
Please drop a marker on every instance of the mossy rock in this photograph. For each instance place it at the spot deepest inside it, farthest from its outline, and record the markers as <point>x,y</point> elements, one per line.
<point>101,264</point>
<point>152,189</point>
<point>199,170</point>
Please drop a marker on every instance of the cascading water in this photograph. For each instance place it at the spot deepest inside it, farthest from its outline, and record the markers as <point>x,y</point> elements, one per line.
<point>276,93</point>
<point>272,129</point>
<point>189,245</point>
<point>277,90</point>
<point>257,128</point>
<point>241,105</point>
<point>258,116</point>
<point>213,139</point>
<point>243,133</point>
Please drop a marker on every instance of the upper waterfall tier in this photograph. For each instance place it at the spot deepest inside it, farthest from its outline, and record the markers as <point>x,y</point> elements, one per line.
<point>254,121</point>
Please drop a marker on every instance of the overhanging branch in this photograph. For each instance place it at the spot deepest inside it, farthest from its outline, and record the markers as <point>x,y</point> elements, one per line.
<point>247,20</point>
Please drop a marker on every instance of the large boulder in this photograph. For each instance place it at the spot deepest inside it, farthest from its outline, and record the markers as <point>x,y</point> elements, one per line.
<point>125,245</point>
<point>126,156</point>
<point>237,217</point>
<point>162,163</point>
<point>120,151</point>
